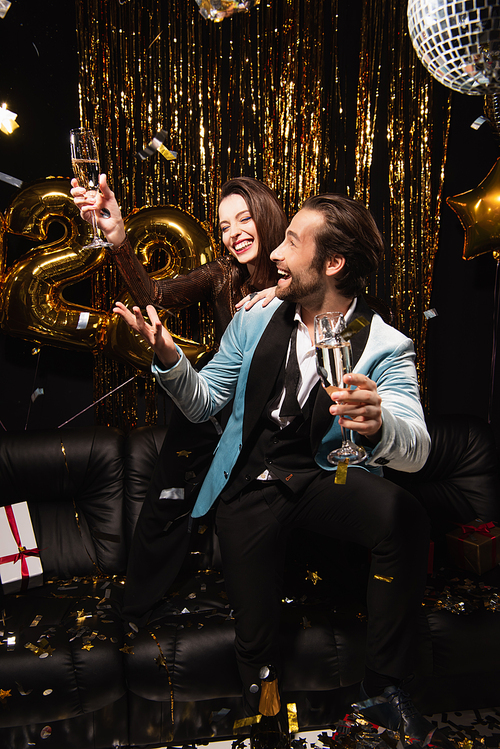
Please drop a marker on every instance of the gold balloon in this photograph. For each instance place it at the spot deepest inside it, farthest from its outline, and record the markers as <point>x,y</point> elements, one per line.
<point>479,214</point>
<point>185,244</point>
<point>32,304</point>
<point>177,234</point>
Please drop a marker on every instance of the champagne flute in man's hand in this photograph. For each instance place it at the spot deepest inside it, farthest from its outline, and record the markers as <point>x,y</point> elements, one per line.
<point>85,162</point>
<point>334,360</point>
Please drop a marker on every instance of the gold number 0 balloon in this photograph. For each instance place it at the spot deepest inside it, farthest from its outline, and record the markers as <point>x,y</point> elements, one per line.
<point>185,244</point>
<point>32,302</point>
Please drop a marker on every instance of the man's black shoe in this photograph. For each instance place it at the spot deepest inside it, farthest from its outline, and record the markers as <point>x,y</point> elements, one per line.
<point>393,709</point>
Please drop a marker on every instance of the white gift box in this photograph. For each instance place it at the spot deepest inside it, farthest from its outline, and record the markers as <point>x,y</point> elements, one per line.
<point>20,564</point>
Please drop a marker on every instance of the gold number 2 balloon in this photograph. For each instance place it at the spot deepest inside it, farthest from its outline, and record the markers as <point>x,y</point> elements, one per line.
<point>32,300</point>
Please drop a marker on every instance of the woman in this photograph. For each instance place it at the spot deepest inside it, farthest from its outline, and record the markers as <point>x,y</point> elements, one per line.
<point>252,224</point>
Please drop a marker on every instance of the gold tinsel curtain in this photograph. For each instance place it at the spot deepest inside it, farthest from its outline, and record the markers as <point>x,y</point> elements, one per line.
<point>307,95</point>
<point>401,179</point>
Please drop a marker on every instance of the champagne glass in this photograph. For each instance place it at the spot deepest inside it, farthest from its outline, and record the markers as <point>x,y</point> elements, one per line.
<point>85,162</point>
<point>334,360</point>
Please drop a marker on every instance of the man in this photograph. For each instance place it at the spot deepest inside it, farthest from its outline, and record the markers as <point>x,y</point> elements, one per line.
<point>270,473</point>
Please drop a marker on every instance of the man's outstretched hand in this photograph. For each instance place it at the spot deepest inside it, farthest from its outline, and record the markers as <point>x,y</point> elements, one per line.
<point>153,332</point>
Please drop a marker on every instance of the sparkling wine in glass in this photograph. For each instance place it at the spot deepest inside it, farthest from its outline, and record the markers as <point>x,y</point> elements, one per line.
<point>85,162</point>
<point>334,360</point>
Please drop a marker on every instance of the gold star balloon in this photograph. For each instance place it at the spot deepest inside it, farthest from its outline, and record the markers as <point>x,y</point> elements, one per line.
<point>479,214</point>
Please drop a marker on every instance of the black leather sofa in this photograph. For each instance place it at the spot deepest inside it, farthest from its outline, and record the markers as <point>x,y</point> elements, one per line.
<point>73,678</point>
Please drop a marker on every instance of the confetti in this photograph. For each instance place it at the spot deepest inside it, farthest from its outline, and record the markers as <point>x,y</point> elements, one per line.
<point>219,714</point>
<point>313,577</point>
<point>243,722</point>
<point>354,327</point>
<point>42,650</point>
<point>36,393</point>
<point>7,120</point>
<point>10,180</point>
<point>478,122</point>
<point>157,144</point>
<point>341,472</point>
<point>293,724</point>
<point>21,690</point>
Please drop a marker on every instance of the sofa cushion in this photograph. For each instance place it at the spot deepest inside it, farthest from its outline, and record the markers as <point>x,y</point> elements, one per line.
<point>72,481</point>
<point>61,652</point>
<point>189,652</point>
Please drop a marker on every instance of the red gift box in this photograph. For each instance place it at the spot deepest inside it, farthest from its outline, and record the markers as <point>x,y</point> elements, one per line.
<point>20,564</point>
<point>475,546</point>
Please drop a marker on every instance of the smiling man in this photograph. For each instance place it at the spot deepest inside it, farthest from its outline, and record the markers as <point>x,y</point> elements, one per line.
<point>270,473</point>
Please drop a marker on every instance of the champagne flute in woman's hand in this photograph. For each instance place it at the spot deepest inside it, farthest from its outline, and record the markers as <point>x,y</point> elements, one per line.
<point>334,360</point>
<point>85,162</point>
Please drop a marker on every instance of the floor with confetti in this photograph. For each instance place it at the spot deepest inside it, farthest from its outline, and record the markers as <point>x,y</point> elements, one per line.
<point>468,729</point>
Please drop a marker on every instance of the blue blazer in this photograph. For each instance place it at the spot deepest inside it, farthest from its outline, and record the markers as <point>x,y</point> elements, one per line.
<point>245,368</point>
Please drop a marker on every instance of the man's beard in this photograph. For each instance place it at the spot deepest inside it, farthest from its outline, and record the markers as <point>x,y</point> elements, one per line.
<point>306,291</point>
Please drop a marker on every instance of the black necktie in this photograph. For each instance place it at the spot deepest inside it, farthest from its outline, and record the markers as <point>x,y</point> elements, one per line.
<point>290,406</point>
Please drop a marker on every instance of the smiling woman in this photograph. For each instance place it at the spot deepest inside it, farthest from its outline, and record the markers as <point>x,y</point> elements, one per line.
<point>238,230</point>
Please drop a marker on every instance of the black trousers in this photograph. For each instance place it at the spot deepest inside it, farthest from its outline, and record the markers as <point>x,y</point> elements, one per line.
<point>252,530</point>
<point>163,531</point>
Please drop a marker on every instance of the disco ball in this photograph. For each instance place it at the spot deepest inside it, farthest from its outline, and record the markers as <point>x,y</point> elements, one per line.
<point>458,41</point>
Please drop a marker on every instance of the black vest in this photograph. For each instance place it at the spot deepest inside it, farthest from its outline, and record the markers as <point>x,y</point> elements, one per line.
<point>286,452</point>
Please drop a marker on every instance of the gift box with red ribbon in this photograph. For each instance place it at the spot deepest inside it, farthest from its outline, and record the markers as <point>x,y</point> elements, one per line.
<point>475,546</point>
<point>20,564</point>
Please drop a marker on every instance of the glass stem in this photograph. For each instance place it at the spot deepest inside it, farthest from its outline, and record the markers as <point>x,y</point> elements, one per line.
<point>94,225</point>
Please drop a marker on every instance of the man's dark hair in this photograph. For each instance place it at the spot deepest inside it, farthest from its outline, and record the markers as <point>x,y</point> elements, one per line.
<point>349,230</point>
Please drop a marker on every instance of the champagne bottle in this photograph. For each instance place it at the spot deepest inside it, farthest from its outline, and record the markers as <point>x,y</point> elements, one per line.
<point>271,732</point>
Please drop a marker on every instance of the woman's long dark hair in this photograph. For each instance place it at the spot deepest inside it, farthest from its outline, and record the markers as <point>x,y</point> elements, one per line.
<point>271,224</point>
